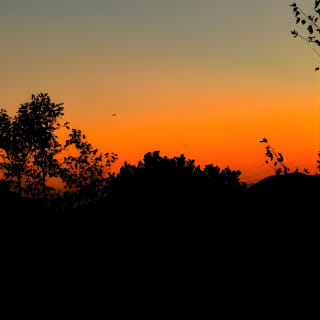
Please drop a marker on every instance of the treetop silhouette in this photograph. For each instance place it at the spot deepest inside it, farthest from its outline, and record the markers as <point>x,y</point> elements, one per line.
<point>30,148</point>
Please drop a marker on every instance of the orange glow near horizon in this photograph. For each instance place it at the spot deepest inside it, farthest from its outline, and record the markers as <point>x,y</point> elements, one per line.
<point>223,136</point>
<point>208,78</point>
<point>212,123</point>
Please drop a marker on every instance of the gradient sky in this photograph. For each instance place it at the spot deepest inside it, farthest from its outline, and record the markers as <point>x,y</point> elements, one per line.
<point>207,78</point>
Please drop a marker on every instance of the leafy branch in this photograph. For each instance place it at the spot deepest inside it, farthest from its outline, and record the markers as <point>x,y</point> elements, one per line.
<point>311,24</point>
<point>274,158</point>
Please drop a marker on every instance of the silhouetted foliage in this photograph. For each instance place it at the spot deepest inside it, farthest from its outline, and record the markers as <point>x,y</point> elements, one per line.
<point>173,183</point>
<point>85,172</point>
<point>310,22</point>
<point>29,145</point>
<point>30,148</point>
<point>15,153</point>
<point>275,159</point>
<point>38,121</point>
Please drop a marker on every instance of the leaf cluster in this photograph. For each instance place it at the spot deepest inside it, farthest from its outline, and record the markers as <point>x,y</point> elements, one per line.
<point>274,158</point>
<point>310,22</point>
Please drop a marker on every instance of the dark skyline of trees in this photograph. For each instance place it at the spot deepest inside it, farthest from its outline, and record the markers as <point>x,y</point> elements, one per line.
<point>32,154</point>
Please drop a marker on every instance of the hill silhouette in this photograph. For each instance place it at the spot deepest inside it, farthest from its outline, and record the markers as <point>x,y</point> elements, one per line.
<point>283,193</point>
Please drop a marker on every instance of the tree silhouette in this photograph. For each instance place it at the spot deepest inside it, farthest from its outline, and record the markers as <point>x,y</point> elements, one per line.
<point>38,121</point>
<point>29,150</point>
<point>85,170</point>
<point>175,184</point>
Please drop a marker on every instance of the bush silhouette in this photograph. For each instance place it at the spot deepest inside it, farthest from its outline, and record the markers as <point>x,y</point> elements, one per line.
<point>173,183</point>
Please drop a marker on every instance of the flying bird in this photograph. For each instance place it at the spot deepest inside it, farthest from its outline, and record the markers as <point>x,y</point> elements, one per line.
<point>114,114</point>
<point>263,140</point>
<point>317,69</point>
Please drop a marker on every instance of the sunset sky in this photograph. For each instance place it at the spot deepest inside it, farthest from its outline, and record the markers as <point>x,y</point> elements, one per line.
<point>207,78</point>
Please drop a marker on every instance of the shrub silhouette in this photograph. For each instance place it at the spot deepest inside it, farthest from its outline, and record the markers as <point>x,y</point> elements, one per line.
<point>172,183</point>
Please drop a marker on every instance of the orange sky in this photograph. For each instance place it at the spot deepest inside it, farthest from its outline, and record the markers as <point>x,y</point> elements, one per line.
<point>223,136</point>
<point>208,79</point>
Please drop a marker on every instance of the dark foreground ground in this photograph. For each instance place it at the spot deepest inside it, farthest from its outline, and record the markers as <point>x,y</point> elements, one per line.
<point>258,250</point>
